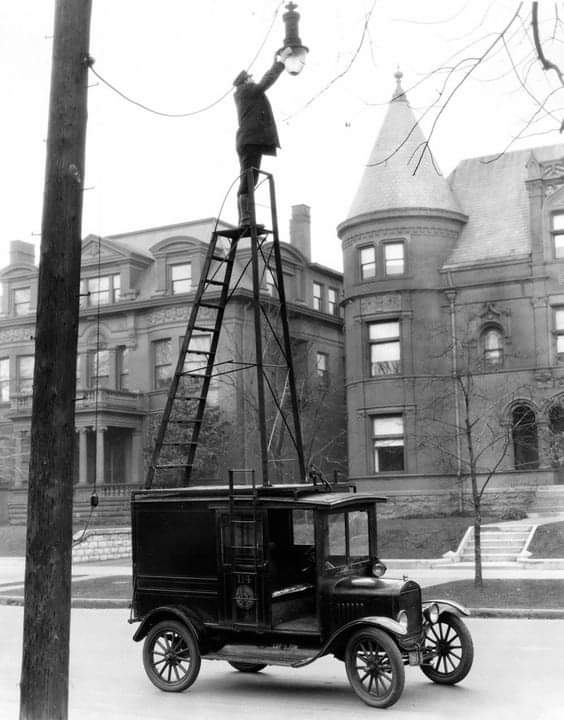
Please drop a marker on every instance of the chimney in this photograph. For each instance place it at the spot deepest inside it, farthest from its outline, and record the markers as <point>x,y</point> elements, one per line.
<point>22,253</point>
<point>300,230</point>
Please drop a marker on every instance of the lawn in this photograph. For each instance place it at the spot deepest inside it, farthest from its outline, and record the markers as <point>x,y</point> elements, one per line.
<point>415,538</point>
<point>548,541</point>
<point>402,538</point>
<point>522,593</point>
<point>514,594</point>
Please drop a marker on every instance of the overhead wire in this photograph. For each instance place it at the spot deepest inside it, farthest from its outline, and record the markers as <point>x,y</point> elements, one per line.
<point>190,113</point>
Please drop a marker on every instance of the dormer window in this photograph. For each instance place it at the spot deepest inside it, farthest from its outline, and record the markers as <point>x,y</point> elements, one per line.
<point>21,301</point>
<point>101,290</point>
<point>180,278</point>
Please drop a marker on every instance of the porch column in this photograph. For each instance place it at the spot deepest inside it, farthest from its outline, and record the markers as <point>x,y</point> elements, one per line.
<point>18,467</point>
<point>100,455</point>
<point>82,457</point>
<point>136,463</point>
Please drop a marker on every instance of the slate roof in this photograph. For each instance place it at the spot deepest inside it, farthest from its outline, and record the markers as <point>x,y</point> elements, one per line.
<point>142,240</point>
<point>491,191</point>
<point>388,181</point>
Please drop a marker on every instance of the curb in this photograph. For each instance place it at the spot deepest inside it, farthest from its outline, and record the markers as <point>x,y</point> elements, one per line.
<point>76,603</point>
<point>518,613</point>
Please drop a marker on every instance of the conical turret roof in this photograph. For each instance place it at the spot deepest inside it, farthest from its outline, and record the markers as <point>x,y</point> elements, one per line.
<point>389,180</point>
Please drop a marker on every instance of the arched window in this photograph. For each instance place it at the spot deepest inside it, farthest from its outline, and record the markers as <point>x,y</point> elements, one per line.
<point>492,347</point>
<point>556,425</point>
<point>525,438</point>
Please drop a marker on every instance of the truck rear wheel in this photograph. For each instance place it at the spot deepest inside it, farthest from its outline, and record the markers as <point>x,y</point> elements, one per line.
<point>375,667</point>
<point>171,656</point>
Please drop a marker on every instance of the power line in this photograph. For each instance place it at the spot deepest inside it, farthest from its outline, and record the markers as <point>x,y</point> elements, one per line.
<point>191,112</point>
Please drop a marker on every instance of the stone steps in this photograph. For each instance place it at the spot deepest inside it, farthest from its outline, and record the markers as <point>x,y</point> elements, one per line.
<point>498,543</point>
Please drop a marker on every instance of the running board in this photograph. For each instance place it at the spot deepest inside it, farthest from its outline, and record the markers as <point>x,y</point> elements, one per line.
<point>285,655</point>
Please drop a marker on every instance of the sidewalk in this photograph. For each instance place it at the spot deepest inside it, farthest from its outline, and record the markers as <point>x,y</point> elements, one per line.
<point>425,572</point>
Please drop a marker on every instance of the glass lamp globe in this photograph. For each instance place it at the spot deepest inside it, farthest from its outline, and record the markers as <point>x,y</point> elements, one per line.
<point>295,62</point>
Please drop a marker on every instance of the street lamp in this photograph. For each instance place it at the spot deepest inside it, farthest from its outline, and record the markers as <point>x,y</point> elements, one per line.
<point>295,62</point>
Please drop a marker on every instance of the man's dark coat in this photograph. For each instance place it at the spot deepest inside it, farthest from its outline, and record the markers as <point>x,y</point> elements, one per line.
<point>256,121</point>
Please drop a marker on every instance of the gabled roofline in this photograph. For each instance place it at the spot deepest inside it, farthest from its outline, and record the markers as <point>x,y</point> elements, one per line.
<point>156,228</point>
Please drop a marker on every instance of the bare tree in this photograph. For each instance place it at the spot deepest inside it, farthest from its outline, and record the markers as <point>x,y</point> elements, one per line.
<point>463,420</point>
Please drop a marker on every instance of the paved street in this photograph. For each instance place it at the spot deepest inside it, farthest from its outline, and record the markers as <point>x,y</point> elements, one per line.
<point>517,675</point>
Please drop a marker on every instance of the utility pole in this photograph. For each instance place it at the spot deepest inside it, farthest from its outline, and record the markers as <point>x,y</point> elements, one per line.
<point>46,630</point>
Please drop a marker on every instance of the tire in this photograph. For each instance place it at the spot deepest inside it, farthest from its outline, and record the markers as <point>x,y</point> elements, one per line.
<point>171,656</point>
<point>453,651</point>
<point>247,667</point>
<point>375,667</point>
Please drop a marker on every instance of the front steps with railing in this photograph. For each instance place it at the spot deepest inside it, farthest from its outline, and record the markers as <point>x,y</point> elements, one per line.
<point>499,543</point>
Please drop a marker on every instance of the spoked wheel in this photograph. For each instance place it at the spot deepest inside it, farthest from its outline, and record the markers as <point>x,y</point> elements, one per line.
<point>247,667</point>
<point>450,643</point>
<point>375,667</point>
<point>171,656</point>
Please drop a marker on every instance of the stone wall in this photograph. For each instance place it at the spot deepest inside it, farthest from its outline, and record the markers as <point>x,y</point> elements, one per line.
<point>505,502</point>
<point>101,544</point>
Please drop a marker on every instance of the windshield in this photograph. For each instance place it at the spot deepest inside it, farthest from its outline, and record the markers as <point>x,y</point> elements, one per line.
<point>348,541</point>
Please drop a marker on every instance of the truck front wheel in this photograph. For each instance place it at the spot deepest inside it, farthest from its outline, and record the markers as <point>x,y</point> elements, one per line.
<point>450,651</point>
<point>171,656</point>
<point>375,667</point>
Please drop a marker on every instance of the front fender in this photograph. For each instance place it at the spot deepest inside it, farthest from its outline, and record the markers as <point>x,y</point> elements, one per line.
<point>447,606</point>
<point>387,624</point>
<point>166,612</point>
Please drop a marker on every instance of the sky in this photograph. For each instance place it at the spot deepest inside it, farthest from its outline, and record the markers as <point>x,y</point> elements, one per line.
<point>145,169</point>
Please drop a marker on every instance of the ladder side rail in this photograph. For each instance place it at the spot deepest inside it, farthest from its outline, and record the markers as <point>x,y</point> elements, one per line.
<point>286,332</point>
<point>210,361</point>
<point>180,363</point>
<point>258,330</point>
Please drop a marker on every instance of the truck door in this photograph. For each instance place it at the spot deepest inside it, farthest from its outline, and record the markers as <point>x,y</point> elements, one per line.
<point>243,568</point>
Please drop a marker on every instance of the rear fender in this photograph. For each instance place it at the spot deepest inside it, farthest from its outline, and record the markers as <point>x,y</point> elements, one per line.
<point>170,612</point>
<point>447,606</point>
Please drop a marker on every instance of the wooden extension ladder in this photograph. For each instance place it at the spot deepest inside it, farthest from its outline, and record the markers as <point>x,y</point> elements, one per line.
<point>177,437</point>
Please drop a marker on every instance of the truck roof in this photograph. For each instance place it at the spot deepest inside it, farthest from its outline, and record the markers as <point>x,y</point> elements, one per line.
<point>300,495</point>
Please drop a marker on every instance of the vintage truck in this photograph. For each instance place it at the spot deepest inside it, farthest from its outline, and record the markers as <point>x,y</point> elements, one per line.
<point>281,575</point>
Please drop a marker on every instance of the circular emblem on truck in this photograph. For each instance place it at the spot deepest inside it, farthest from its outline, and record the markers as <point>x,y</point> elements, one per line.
<point>244,597</point>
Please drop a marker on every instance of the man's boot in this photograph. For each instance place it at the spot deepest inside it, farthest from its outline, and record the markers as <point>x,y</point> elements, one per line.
<point>244,213</point>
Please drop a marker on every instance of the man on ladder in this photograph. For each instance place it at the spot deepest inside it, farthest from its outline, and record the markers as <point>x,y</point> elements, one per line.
<point>257,134</point>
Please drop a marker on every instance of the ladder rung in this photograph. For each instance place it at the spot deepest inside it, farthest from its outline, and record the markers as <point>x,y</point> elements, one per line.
<point>219,258</point>
<point>198,352</point>
<point>215,282</point>
<point>186,422</point>
<point>178,444</point>
<point>210,305</point>
<point>189,397</point>
<point>170,466</point>
<point>200,328</point>
<point>188,373</point>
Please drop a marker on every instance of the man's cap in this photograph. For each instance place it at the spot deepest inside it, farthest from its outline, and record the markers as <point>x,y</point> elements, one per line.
<point>241,78</point>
